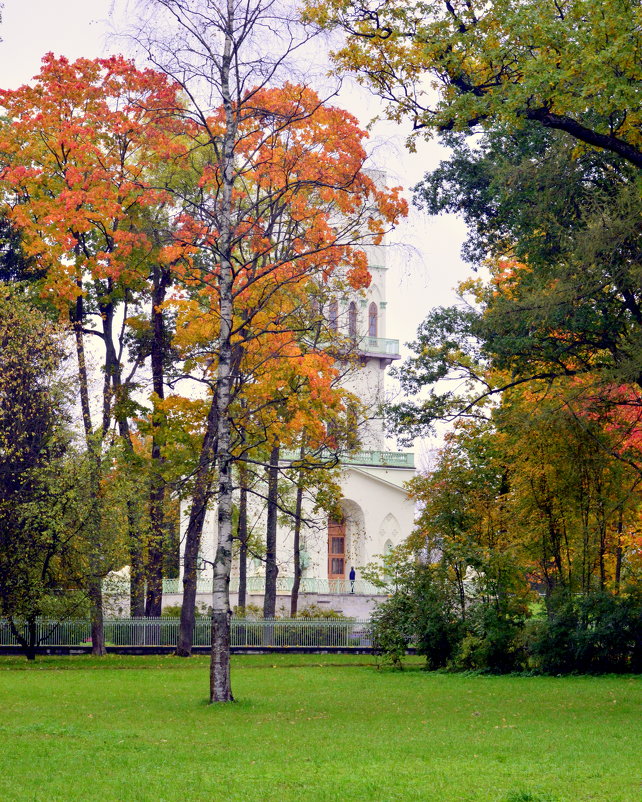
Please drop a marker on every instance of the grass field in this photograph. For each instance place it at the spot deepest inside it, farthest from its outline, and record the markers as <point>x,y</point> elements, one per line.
<point>314,727</point>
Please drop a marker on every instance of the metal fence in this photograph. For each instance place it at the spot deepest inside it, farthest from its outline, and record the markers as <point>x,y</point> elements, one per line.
<point>131,632</point>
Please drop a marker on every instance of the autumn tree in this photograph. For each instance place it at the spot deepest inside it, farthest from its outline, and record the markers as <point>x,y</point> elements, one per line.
<point>281,197</point>
<point>80,145</point>
<point>571,220</point>
<point>575,502</point>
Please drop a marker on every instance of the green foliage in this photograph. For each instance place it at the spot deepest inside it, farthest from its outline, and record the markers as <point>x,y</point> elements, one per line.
<point>252,612</point>
<point>39,510</point>
<point>425,612</point>
<point>596,633</point>
<point>493,641</point>
<point>572,66</point>
<point>317,611</point>
<point>201,610</point>
<point>561,231</point>
<point>392,628</point>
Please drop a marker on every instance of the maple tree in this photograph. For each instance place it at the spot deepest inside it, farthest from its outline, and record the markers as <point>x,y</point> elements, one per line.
<point>80,145</point>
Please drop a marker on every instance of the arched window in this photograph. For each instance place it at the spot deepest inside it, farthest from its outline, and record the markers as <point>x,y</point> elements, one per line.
<point>352,320</point>
<point>333,315</point>
<point>373,320</point>
<point>387,549</point>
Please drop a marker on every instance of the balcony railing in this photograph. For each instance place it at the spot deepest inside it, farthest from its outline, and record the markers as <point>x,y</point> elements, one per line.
<point>381,459</point>
<point>390,459</point>
<point>380,346</point>
<point>256,585</point>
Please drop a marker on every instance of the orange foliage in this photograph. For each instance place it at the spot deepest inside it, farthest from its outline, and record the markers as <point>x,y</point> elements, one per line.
<point>79,146</point>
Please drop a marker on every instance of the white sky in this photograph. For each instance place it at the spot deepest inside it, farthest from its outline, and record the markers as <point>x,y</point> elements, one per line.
<point>422,272</point>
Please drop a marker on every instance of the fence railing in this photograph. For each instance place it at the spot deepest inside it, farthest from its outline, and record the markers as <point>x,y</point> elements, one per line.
<point>256,584</point>
<point>278,632</point>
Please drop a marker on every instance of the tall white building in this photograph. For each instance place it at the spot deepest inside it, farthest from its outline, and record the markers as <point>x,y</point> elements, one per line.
<point>376,512</point>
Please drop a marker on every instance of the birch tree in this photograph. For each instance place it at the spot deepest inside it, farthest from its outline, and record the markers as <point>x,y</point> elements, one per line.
<point>281,197</point>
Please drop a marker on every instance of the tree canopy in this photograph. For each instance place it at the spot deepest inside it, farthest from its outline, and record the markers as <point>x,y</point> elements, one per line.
<point>570,65</point>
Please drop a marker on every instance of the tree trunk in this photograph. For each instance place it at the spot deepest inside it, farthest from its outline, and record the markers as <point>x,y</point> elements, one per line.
<point>136,579</point>
<point>94,588</point>
<point>200,500</point>
<point>29,643</point>
<point>136,558</point>
<point>220,684</point>
<point>32,640</point>
<point>271,568</point>
<point>113,391</point>
<point>95,593</point>
<point>298,512</point>
<point>158,487</point>
<point>154,567</point>
<point>618,550</point>
<point>242,536</point>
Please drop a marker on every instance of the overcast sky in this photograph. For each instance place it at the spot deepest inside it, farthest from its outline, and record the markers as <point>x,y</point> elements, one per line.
<point>422,272</point>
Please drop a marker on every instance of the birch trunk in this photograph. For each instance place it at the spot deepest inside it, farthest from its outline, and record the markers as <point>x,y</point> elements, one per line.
<point>242,537</point>
<point>220,685</point>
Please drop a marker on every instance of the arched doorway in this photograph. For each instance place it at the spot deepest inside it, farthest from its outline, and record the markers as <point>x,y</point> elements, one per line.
<point>336,549</point>
<point>346,540</point>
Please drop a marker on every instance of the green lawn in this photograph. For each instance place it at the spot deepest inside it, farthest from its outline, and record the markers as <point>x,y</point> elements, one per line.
<point>310,728</point>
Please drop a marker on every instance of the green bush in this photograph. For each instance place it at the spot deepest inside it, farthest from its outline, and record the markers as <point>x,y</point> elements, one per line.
<point>251,612</point>
<point>493,637</point>
<point>589,634</point>
<point>392,628</point>
<point>174,611</point>
<point>316,611</point>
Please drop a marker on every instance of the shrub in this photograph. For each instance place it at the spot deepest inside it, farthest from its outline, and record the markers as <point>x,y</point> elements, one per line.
<point>392,628</point>
<point>595,633</point>
<point>316,611</point>
<point>493,637</point>
<point>251,612</point>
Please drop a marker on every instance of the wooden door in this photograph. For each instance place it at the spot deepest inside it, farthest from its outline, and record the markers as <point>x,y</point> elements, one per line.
<point>336,550</point>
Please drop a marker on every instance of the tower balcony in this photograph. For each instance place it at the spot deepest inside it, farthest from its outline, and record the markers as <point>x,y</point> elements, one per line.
<point>380,459</point>
<point>380,347</point>
<point>376,459</point>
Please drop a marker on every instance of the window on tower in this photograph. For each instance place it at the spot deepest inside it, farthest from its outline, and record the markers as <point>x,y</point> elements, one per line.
<point>373,320</point>
<point>333,315</point>
<point>352,321</point>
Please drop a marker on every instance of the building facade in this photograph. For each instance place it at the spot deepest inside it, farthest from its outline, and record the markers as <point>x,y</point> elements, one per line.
<point>376,513</point>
